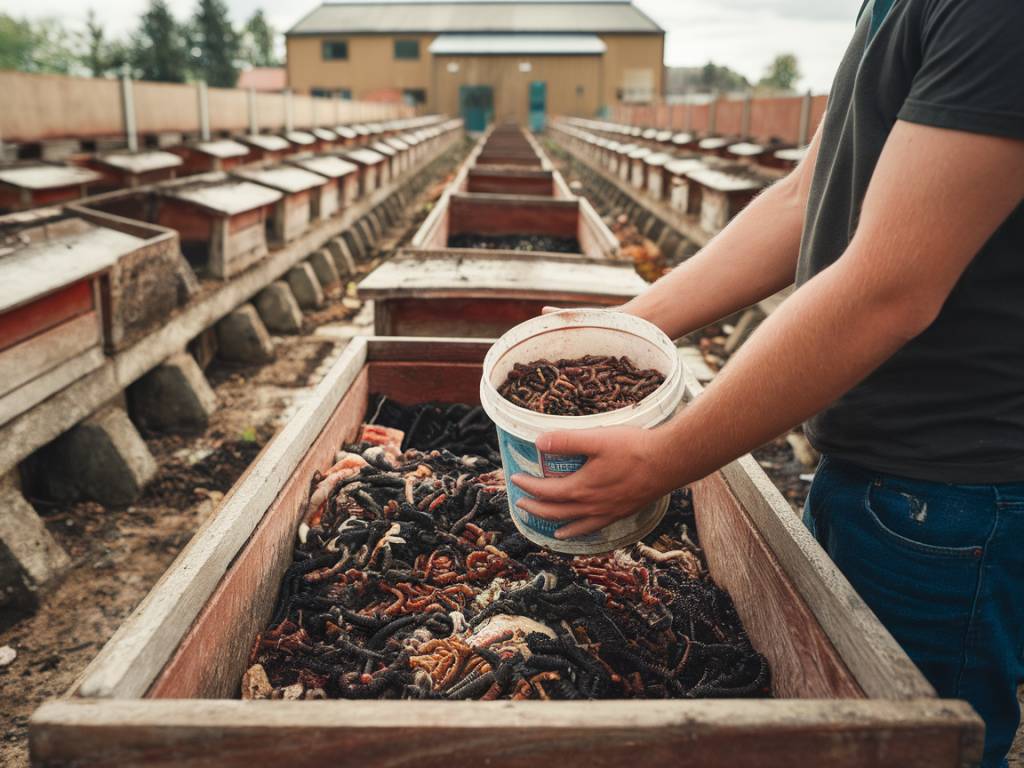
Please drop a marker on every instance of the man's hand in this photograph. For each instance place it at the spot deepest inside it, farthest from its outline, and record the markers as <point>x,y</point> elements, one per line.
<point>624,472</point>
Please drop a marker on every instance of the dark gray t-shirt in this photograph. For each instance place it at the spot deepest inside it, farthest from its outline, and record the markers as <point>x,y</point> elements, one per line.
<point>949,406</point>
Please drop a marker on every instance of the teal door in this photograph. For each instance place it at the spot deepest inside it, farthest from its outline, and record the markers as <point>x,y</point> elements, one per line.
<point>476,105</point>
<point>538,105</point>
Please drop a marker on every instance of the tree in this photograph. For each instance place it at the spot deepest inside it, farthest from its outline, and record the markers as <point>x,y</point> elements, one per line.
<point>17,40</point>
<point>783,73</point>
<point>43,46</point>
<point>214,44</point>
<point>158,48</point>
<point>258,42</point>
<point>707,79</point>
<point>101,56</point>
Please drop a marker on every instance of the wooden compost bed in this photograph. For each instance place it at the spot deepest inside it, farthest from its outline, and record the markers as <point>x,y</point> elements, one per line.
<point>162,691</point>
<point>483,293</point>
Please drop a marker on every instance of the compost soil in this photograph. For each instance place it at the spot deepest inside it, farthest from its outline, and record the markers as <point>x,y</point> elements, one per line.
<point>119,554</point>
<point>410,580</point>
<point>537,243</point>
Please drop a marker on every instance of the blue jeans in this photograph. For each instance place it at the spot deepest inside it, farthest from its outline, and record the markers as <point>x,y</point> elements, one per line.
<point>942,566</point>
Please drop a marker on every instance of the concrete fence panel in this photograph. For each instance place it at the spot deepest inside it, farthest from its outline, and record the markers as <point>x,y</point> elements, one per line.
<point>776,118</point>
<point>729,117</point>
<point>166,107</point>
<point>40,107</point>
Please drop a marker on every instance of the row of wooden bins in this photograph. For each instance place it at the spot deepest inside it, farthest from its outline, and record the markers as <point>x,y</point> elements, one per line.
<point>94,277</point>
<point>32,183</point>
<point>165,690</point>
<point>711,179</point>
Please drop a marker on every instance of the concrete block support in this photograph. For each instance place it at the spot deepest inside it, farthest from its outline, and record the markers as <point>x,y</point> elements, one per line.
<point>30,558</point>
<point>242,337</point>
<point>278,308</point>
<point>343,260</point>
<point>308,292</point>
<point>103,458</point>
<point>366,232</point>
<point>323,266</point>
<point>373,217</point>
<point>173,397</point>
<point>355,244</point>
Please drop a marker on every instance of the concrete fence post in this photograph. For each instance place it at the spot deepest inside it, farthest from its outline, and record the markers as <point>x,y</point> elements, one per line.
<point>713,113</point>
<point>131,133</point>
<point>748,102</point>
<point>805,121</point>
<point>289,117</point>
<point>689,116</point>
<point>254,126</point>
<point>202,94</point>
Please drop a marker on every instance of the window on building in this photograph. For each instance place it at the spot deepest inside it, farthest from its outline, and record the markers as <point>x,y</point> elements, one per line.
<point>332,93</point>
<point>414,96</point>
<point>335,50</point>
<point>407,49</point>
<point>579,90</point>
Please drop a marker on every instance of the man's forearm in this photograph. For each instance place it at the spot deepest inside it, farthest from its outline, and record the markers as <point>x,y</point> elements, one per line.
<point>751,259</point>
<point>819,344</point>
<point>887,288</point>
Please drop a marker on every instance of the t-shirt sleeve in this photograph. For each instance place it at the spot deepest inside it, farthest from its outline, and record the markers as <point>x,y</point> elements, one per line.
<point>972,68</point>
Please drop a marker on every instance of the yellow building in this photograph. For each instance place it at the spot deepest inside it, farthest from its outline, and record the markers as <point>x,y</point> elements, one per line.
<point>481,60</point>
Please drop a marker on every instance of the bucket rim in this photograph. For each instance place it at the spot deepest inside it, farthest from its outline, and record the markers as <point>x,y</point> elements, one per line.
<point>587,317</point>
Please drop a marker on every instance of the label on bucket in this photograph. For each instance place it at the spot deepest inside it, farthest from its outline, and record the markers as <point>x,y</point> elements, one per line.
<point>521,456</point>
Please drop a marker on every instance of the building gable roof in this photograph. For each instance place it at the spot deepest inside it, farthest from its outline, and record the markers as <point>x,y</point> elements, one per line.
<point>602,16</point>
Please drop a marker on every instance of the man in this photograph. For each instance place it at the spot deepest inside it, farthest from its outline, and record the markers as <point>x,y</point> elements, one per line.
<point>903,346</point>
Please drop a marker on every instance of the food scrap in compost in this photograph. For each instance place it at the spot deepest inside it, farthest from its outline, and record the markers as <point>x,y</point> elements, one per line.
<point>410,581</point>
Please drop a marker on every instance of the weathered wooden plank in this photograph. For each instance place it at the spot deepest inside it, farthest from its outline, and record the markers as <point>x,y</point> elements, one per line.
<point>423,382</point>
<point>244,599</point>
<point>804,663</point>
<point>33,392</point>
<point>878,664</point>
<point>44,313</point>
<point>425,734</point>
<point>45,351</point>
<point>130,661</point>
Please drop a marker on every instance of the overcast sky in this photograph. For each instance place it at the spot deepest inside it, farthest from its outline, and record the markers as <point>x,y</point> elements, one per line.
<point>743,34</point>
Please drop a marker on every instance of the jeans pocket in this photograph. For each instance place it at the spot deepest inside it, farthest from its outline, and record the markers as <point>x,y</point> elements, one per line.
<point>904,519</point>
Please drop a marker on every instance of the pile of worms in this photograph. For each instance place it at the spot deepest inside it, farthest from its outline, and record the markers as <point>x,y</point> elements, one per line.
<point>579,387</point>
<point>530,243</point>
<point>410,581</point>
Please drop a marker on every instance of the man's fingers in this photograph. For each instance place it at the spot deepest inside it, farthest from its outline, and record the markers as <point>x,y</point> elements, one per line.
<point>549,310</point>
<point>548,488</point>
<point>585,441</point>
<point>551,511</point>
<point>583,526</point>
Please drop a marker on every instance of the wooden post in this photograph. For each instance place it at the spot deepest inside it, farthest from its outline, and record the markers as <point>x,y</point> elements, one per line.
<point>748,100</point>
<point>254,126</point>
<point>128,114</point>
<point>204,110</point>
<point>689,115</point>
<point>713,113</point>
<point>805,120</point>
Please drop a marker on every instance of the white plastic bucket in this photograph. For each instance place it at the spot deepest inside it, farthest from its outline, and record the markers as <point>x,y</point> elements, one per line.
<point>572,333</point>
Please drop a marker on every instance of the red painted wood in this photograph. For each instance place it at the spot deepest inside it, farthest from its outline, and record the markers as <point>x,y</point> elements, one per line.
<point>31,319</point>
